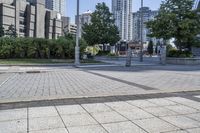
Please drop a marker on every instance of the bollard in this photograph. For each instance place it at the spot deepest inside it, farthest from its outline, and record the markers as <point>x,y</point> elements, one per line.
<point>128,59</point>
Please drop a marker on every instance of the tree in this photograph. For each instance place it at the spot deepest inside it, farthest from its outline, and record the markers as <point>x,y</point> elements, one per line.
<point>71,42</point>
<point>11,31</point>
<point>169,48</point>
<point>150,48</point>
<point>176,19</point>
<point>102,29</point>
<point>1,31</point>
<point>83,46</point>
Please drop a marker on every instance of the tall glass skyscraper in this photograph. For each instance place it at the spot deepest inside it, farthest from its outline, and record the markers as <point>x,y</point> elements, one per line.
<point>122,11</point>
<point>147,16</point>
<point>56,5</point>
<point>196,3</point>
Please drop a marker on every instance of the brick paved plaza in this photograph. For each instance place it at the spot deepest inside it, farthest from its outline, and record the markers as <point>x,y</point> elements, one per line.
<point>54,83</point>
<point>140,99</point>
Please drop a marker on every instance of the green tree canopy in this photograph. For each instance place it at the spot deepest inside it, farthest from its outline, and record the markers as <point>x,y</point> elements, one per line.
<point>102,29</point>
<point>150,47</point>
<point>176,19</point>
<point>11,31</point>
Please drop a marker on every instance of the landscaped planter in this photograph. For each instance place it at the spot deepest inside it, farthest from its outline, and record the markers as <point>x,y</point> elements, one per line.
<point>184,61</point>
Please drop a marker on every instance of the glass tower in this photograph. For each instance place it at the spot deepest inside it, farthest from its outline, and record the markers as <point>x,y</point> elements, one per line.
<point>122,11</point>
<point>56,5</point>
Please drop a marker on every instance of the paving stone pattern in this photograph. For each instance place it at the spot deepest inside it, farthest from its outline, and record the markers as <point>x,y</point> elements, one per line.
<point>68,83</point>
<point>131,116</point>
<point>57,83</point>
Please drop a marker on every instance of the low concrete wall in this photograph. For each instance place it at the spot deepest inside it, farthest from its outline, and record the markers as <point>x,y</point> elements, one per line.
<point>184,61</point>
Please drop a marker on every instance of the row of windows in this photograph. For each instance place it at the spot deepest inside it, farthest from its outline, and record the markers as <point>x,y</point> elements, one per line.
<point>22,30</point>
<point>22,14</point>
<point>22,22</point>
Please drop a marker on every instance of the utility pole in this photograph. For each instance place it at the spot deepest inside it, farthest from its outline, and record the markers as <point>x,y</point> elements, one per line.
<point>141,39</point>
<point>77,48</point>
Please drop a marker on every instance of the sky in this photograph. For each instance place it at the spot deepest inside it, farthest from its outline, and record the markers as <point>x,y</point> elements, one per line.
<point>90,5</point>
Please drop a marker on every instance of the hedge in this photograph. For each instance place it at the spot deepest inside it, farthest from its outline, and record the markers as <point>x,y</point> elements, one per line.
<point>179,54</point>
<point>62,48</point>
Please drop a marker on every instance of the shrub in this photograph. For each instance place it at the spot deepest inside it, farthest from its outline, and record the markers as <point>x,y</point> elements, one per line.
<point>169,48</point>
<point>112,54</point>
<point>93,50</point>
<point>40,48</point>
<point>179,54</point>
<point>103,53</point>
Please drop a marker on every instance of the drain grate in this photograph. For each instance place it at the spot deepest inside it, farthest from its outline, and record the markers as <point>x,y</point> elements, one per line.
<point>30,72</point>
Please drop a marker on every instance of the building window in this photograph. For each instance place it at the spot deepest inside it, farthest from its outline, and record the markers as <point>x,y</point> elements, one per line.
<point>22,22</point>
<point>21,14</point>
<point>22,30</point>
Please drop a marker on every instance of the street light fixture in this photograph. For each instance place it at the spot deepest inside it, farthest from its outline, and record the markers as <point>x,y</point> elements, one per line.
<point>141,39</point>
<point>77,48</point>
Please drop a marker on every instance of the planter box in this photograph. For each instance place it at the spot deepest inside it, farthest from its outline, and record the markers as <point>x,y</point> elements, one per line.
<point>184,61</point>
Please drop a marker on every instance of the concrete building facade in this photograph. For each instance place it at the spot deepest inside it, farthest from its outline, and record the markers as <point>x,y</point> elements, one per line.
<point>122,11</point>
<point>84,18</point>
<point>68,27</point>
<point>65,24</point>
<point>56,5</point>
<point>147,16</point>
<point>72,29</point>
<point>30,18</point>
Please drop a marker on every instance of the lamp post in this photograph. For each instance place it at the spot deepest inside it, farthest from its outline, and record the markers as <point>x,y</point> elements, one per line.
<point>77,48</point>
<point>141,39</point>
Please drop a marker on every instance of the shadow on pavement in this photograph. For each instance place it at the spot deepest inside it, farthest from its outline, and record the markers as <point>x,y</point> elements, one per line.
<point>147,68</point>
<point>43,103</point>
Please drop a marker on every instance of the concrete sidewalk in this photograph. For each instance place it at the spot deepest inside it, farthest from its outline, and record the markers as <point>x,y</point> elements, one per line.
<point>151,115</point>
<point>60,83</point>
<point>114,99</point>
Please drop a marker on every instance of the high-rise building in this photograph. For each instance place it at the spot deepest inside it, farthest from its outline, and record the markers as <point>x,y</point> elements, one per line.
<point>30,18</point>
<point>84,18</point>
<point>147,16</point>
<point>122,11</point>
<point>56,5</point>
<point>196,3</point>
<point>68,27</point>
<point>65,24</point>
<point>72,29</point>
